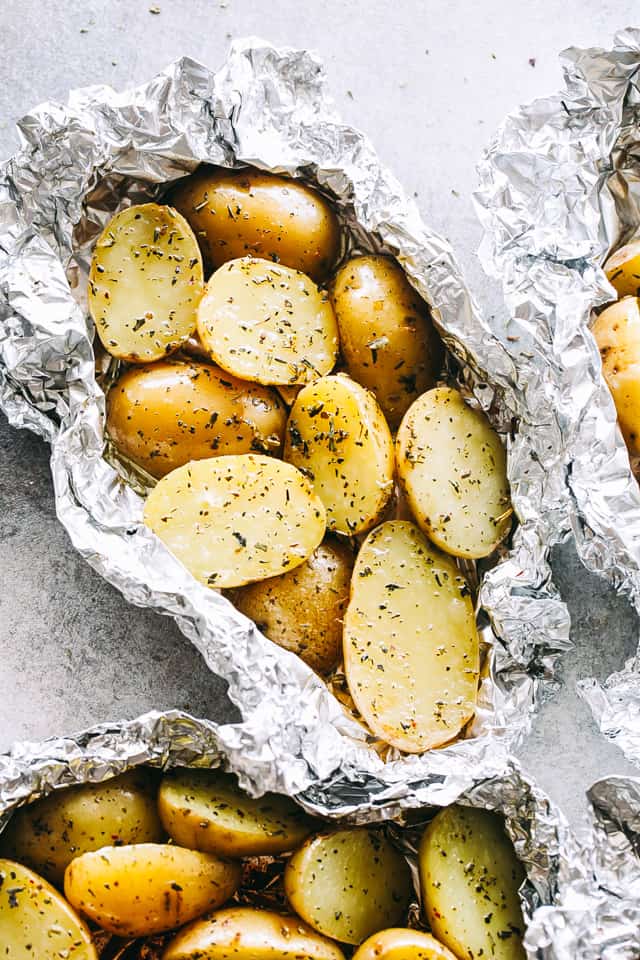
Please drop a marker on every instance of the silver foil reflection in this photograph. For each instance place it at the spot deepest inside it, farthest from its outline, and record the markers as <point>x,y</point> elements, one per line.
<point>80,162</point>
<point>560,188</point>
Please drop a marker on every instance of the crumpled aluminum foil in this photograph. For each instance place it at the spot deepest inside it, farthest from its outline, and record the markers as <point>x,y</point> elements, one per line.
<point>560,187</point>
<point>79,162</point>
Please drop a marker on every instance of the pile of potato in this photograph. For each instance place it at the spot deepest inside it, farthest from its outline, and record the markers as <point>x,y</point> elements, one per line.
<point>139,856</point>
<point>264,403</point>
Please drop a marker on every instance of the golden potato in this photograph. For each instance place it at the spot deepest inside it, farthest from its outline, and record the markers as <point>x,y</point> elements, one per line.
<point>236,518</point>
<point>469,877</point>
<point>240,212</point>
<point>166,414</point>
<point>147,888</point>
<point>400,943</point>
<point>338,437</point>
<point>145,283</point>
<point>303,610</point>
<point>453,468</point>
<point>386,335</point>
<point>289,392</point>
<point>47,834</point>
<point>617,333</point>
<point>249,934</point>
<point>623,270</point>
<point>411,648</point>
<point>36,922</point>
<point>207,810</point>
<point>349,883</point>
<point>268,323</point>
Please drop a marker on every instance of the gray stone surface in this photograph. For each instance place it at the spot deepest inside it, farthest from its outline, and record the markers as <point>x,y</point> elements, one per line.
<point>429,80</point>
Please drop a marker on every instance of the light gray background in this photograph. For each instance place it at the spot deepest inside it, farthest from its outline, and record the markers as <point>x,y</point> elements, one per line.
<point>429,81</point>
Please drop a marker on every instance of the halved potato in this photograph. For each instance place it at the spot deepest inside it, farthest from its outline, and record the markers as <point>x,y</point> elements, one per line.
<point>623,270</point>
<point>469,877</point>
<point>268,323</point>
<point>400,943</point>
<point>617,333</point>
<point>303,610</point>
<point>148,888</point>
<point>36,922</point>
<point>348,883</point>
<point>240,212</point>
<point>145,283</point>
<point>411,649</point>
<point>165,414</point>
<point>339,438</point>
<point>207,810</point>
<point>237,518</point>
<point>452,466</point>
<point>47,834</point>
<point>249,934</point>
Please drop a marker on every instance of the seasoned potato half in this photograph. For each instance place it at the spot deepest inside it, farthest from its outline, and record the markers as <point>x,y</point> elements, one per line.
<point>469,876</point>
<point>453,468</point>
<point>147,888</point>
<point>303,610</point>
<point>411,649</point>
<point>399,943</point>
<point>238,518</point>
<point>240,212</point>
<point>207,810</point>
<point>163,415</point>
<point>387,339</point>
<point>35,921</point>
<point>348,883</point>
<point>249,934</point>
<point>623,270</point>
<point>268,323</point>
<point>145,283</point>
<point>47,834</point>
<point>617,333</point>
<point>339,438</point>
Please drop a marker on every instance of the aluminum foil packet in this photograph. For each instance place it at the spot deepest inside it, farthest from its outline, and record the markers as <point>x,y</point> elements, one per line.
<point>80,162</point>
<point>559,189</point>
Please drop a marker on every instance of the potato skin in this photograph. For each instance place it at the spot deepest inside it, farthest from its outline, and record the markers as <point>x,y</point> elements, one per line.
<point>165,414</point>
<point>235,213</point>
<point>146,888</point>
<point>399,943</point>
<point>623,270</point>
<point>387,338</point>
<point>47,834</point>
<point>302,610</point>
<point>617,333</point>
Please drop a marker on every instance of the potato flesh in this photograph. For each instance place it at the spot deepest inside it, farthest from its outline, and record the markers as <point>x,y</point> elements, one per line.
<point>348,884</point>
<point>623,270</point>
<point>411,649</point>
<point>47,834</point>
<point>337,436</point>
<point>36,923</point>
<point>400,943</point>
<point>303,610</point>
<point>453,469</point>
<point>249,934</point>
<point>206,810</point>
<point>148,888</point>
<point>469,877</point>
<point>235,519</point>
<point>617,333</point>
<point>240,212</point>
<point>386,335</point>
<point>145,283</point>
<point>164,415</point>
<point>267,323</point>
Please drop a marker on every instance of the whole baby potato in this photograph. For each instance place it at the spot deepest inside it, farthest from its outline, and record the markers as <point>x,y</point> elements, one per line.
<point>387,338</point>
<point>617,333</point>
<point>147,888</point>
<point>165,414</point>
<point>303,610</point>
<point>400,943</point>
<point>623,270</point>
<point>47,834</point>
<point>236,213</point>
